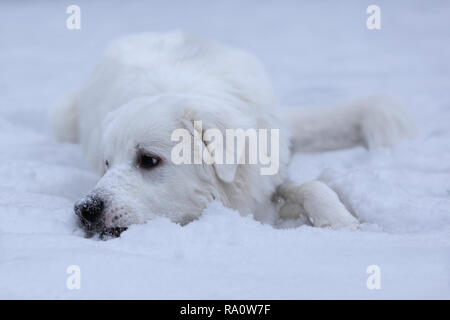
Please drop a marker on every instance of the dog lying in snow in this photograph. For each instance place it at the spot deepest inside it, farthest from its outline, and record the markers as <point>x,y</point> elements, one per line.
<point>148,85</point>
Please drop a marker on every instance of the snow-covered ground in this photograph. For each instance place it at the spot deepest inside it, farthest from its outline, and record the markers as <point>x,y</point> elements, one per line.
<point>316,54</point>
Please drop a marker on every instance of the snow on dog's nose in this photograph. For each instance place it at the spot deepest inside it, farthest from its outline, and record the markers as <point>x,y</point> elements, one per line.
<point>92,212</point>
<point>90,209</point>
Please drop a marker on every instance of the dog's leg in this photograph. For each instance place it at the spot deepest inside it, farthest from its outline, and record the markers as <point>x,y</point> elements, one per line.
<point>372,122</point>
<point>318,202</point>
<point>64,119</point>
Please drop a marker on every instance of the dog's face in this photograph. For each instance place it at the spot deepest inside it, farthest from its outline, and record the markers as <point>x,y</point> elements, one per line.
<point>140,181</point>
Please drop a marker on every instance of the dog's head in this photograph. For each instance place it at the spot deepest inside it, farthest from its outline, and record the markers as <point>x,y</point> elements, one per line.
<point>140,179</point>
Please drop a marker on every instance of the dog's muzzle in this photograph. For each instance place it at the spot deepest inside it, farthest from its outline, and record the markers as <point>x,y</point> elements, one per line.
<point>91,213</point>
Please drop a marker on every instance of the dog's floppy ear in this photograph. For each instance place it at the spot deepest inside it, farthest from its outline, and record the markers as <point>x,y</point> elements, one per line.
<point>202,123</point>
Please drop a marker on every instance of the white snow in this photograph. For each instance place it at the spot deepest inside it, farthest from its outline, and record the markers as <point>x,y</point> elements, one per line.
<point>316,54</point>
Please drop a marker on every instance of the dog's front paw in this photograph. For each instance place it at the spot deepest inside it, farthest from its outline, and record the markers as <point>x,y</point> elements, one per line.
<point>384,121</point>
<point>334,215</point>
<point>324,208</point>
<point>318,202</point>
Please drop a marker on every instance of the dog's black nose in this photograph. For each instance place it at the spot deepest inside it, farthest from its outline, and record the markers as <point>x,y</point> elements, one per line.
<point>90,209</point>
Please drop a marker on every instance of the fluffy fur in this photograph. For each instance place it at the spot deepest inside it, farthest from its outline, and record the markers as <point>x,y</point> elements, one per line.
<point>148,85</point>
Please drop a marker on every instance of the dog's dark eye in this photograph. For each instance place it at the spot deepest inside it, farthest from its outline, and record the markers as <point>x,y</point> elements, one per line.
<point>107,163</point>
<point>145,161</point>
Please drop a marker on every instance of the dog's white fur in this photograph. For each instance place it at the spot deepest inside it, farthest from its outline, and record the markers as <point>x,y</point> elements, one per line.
<point>149,84</point>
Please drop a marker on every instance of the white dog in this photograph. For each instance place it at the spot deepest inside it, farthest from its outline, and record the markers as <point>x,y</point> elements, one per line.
<point>147,85</point>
